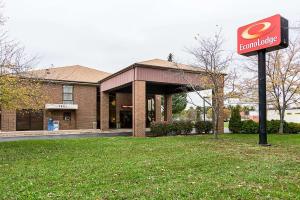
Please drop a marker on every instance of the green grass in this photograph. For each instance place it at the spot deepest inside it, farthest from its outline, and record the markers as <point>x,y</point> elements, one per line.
<point>192,167</point>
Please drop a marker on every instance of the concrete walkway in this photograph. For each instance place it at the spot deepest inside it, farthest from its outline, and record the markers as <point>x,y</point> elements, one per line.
<point>30,135</point>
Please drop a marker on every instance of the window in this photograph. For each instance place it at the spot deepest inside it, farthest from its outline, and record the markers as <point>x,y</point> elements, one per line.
<point>67,116</point>
<point>68,94</point>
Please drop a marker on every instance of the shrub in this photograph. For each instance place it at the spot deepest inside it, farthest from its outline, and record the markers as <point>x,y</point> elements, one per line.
<point>187,127</point>
<point>249,126</point>
<point>235,120</point>
<point>203,127</point>
<point>183,127</point>
<point>174,128</point>
<point>293,128</point>
<point>274,125</point>
<point>159,128</point>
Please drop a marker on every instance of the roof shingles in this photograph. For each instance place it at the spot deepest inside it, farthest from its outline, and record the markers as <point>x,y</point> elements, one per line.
<point>75,73</point>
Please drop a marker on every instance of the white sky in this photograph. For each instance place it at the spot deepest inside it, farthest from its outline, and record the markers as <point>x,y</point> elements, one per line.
<point>109,35</point>
<point>112,34</point>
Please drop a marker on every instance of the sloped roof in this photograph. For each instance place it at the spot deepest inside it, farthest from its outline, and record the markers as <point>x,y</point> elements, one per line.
<point>74,73</point>
<point>159,63</point>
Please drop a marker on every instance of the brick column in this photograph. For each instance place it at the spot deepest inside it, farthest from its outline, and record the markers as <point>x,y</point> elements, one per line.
<point>220,99</point>
<point>168,108</point>
<point>139,108</point>
<point>118,107</point>
<point>8,120</point>
<point>104,111</point>
<point>157,108</point>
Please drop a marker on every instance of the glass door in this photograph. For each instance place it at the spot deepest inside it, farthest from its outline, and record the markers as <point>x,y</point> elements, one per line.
<point>150,110</point>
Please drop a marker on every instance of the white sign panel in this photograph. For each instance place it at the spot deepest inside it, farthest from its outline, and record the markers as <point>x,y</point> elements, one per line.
<point>62,106</point>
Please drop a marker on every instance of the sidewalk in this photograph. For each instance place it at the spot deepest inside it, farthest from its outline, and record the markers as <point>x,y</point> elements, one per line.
<point>11,134</point>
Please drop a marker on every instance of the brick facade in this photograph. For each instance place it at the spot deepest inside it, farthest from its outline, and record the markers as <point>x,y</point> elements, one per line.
<point>157,108</point>
<point>8,120</point>
<point>82,118</point>
<point>104,111</point>
<point>168,108</point>
<point>85,97</point>
<point>139,108</point>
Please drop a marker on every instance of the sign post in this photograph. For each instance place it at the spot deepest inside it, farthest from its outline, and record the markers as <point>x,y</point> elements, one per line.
<point>258,38</point>
<point>262,97</point>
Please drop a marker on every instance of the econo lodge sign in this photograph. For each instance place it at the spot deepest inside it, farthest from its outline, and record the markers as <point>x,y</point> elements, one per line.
<point>259,38</point>
<point>270,34</point>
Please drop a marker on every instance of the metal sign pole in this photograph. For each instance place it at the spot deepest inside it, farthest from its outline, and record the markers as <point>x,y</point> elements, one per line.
<point>263,140</point>
<point>257,38</point>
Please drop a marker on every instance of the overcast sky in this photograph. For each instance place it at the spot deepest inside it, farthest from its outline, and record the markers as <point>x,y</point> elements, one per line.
<point>109,35</point>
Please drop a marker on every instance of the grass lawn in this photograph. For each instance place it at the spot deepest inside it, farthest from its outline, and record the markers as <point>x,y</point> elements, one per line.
<point>192,167</point>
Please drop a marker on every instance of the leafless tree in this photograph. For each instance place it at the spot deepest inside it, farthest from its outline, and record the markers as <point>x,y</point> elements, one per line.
<point>210,57</point>
<point>17,88</point>
<point>283,79</point>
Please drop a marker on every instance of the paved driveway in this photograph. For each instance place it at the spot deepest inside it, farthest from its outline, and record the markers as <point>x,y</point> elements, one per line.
<point>35,135</point>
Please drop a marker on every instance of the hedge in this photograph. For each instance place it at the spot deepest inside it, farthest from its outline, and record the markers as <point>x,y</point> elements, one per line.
<point>274,125</point>
<point>293,128</point>
<point>249,126</point>
<point>203,127</point>
<point>173,128</point>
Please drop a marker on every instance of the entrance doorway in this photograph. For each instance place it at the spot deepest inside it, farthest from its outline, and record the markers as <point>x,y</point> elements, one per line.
<point>126,119</point>
<point>29,120</point>
<point>150,110</point>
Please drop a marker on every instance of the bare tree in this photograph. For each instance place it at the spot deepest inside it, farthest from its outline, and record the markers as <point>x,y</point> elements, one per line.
<point>283,79</point>
<point>210,58</point>
<point>17,88</point>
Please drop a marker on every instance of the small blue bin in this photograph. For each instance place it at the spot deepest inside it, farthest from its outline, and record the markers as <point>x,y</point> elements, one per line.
<point>50,124</point>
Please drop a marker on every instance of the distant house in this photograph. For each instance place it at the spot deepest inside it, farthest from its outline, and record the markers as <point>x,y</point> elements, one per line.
<point>291,115</point>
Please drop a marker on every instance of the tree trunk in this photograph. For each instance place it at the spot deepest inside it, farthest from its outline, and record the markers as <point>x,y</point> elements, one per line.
<point>281,114</point>
<point>215,123</point>
<point>216,128</point>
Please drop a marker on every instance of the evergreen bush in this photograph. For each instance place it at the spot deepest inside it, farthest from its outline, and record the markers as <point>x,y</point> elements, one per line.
<point>235,120</point>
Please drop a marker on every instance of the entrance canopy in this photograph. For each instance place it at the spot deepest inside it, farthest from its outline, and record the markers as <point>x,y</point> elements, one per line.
<point>173,77</point>
<point>155,77</point>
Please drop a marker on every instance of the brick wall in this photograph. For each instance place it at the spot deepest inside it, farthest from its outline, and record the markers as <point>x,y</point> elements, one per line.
<point>55,97</point>
<point>85,97</point>
<point>139,108</point>
<point>168,108</point>
<point>8,120</point>
<point>83,118</point>
<point>157,108</point>
<point>104,111</point>
<point>59,115</point>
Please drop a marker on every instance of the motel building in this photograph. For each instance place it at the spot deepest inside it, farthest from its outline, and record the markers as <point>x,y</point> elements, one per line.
<point>85,98</point>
